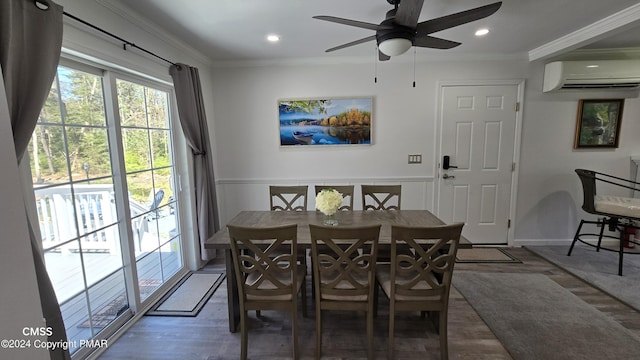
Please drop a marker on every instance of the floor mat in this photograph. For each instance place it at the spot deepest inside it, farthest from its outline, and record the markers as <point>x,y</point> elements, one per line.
<point>188,296</point>
<point>485,255</point>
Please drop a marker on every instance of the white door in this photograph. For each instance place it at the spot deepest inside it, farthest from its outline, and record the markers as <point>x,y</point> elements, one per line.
<point>477,133</point>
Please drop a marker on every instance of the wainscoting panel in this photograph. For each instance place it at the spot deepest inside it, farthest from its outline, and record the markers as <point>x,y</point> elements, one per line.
<point>235,195</point>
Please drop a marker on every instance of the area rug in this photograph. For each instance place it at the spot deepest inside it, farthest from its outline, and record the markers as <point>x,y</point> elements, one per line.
<point>188,296</point>
<point>536,318</point>
<point>485,255</point>
<point>600,269</point>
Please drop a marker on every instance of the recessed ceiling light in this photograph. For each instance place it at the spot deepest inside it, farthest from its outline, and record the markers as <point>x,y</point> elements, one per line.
<point>273,38</point>
<point>593,66</point>
<point>482,32</point>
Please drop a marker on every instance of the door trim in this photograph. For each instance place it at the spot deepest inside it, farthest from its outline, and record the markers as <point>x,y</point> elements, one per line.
<point>520,83</point>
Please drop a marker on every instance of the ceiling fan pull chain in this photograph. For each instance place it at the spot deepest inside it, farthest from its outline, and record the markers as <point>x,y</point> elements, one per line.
<point>414,66</point>
<point>375,66</point>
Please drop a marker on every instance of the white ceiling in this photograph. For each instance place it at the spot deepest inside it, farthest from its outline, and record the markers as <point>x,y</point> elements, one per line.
<point>226,30</point>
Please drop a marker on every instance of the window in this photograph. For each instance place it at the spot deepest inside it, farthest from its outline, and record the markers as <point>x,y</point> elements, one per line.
<point>92,221</point>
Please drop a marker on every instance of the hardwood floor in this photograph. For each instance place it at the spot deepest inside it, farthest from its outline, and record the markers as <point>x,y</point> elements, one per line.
<point>207,337</point>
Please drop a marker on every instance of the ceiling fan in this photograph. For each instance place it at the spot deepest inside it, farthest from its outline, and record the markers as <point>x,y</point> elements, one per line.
<point>401,30</point>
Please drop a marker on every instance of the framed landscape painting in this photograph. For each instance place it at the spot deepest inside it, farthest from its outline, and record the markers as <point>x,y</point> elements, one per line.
<point>325,121</point>
<point>598,123</point>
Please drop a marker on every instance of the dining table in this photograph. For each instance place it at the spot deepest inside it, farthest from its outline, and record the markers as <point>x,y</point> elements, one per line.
<point>386,218</point>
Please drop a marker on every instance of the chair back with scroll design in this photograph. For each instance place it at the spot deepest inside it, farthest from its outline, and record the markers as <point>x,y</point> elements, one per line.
<point>345,190</point>
<point>421,281</point>
<point>268,278</point>
<point>381,197</point>
<point>287,198</point>
<point>343,261</point>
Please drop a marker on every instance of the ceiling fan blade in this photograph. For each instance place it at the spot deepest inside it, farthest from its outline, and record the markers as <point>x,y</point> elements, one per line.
<point>363,40</point>
<point>434,42</point>
<point>408,13</point>
<point>382,56</point>
<point>355,23</point>
<point>449,21</point>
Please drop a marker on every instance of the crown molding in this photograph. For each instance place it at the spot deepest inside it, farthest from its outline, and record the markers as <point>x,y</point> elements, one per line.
<point>617,22</point>
<point>123,11</point>
<point>601,54</point>
<point>341,60</point>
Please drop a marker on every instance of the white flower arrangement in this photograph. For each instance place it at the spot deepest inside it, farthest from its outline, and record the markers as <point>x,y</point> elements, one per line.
<point>328,201</point>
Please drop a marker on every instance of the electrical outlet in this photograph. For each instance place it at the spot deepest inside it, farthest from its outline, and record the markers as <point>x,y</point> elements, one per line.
<point>415,158</point>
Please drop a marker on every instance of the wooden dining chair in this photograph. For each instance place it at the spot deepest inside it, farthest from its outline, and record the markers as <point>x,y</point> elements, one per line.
<point>421,281</point>
<point>267,277</point>
<point>345,190</point>
<point>381,197</point>
<point>344,273</point>
<point>287,198</point>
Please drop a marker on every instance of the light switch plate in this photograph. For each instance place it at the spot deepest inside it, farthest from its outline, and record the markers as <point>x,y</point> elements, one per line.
<point>415,158</point>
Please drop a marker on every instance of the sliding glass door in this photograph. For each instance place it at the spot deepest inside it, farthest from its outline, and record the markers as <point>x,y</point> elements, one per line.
<point>146,140</point>
<point>102,164</point>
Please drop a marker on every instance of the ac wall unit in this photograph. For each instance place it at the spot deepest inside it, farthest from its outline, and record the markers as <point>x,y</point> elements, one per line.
<point>597,74</point>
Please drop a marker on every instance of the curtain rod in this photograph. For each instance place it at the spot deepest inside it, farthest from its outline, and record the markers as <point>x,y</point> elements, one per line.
<point>125,42</point>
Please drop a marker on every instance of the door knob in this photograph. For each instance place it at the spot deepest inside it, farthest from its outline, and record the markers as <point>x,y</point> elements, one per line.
<point>447,176</point>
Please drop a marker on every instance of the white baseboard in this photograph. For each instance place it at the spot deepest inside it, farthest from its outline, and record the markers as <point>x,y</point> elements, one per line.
<point>541,242</point>
<point>560,242</point>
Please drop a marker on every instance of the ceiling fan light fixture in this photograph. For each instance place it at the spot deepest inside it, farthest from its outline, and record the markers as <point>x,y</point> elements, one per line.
<point>394,46</point>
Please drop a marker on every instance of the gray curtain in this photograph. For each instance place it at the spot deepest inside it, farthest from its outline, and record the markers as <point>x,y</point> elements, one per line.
<point>193,120</point>
<point>30,43</point>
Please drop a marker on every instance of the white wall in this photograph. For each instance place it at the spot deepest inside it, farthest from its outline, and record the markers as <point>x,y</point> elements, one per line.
<point>247,149</point>
<point>550,196</point>
<point>249,157</point>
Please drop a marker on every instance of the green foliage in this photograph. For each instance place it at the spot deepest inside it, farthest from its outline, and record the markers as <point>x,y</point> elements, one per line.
<point>71,139</point>
<point>308,106</point>
<point>598,124</point>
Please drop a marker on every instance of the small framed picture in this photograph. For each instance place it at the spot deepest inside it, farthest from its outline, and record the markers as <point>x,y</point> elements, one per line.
<point>598,123</point>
